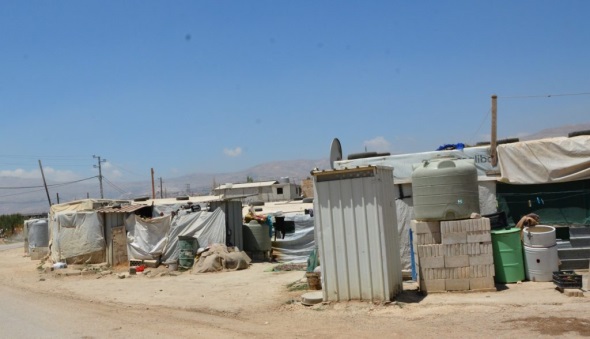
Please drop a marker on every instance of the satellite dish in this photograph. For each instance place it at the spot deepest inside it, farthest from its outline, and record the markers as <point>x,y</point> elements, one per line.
<point>335,152</point>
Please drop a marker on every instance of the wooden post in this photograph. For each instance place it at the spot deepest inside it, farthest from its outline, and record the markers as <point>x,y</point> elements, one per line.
<point>494,140</point>
<point>45,183</point>
<point>153,185</point>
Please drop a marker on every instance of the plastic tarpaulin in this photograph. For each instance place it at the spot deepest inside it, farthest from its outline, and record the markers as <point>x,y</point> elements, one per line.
<point>296,247</point>
<point>207,227</point>
<point>403,164</point>
<point>75,234</point>
<point>545,161</point>
<point>146,239</point>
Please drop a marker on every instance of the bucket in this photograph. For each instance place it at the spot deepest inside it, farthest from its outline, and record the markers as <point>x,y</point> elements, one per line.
<point>539,236</point>
<point>313,281</point>
<point>541,262</point>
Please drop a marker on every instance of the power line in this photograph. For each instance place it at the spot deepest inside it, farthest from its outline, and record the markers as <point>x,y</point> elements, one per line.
<point>21,193</point>
<point>543,95</point>
<point>122,191</point>
<point>53,185</point>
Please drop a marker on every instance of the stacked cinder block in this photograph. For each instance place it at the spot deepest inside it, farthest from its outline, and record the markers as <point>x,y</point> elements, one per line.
<point>453,255</point>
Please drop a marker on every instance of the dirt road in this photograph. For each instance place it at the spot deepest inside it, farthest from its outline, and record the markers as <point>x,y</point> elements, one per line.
<point>256,303</point>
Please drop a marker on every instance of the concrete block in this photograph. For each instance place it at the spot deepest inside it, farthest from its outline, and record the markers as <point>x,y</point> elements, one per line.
<point>481,271</point>
<point>427,238</point>
<point>480,248</point>
<point>456,249</point>
<point>457,261</point>
<point>433,273</point>
<point>430,251</point>
<point>457,284</point>
<point>481,283</point>
<point>432,262</point>
<point>479,236</point>
<point>457,273</point>
<point>574,293</point>
<point>481,224</point>
<point>425,227</point>
<point>454,238</point>
<point>437,285</point>
<point>482,259</point>
<point>88,272</point>
<point>447,227</point>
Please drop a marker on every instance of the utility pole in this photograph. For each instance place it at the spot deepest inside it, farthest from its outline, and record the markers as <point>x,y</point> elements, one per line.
<point>153,186</point>
<point>493,153</point>
<point>44,183</point>
<point>100,173</point>
<point>161,190</point>
<point>57,195</point>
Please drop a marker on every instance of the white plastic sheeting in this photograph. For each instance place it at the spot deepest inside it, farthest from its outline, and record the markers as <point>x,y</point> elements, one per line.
<point>207,227</point>
<point>403,164</point>
<point>296,247</point>
<point>146,238</point>
<point>545,161</point>
<point>75,234</point>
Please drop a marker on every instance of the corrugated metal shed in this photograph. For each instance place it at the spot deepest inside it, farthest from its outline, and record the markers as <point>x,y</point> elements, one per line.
<point>356,233</point>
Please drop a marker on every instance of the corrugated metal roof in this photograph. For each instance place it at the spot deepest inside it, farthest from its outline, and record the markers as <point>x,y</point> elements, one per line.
<point>172,201</point>
<point>247,185</point>
<point>122,208</point>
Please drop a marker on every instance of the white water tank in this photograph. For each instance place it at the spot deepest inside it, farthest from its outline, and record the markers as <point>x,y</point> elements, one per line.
<point>540,252</point>
<point>539,236</point>
<point>540,262</point>
<point>445,189</point>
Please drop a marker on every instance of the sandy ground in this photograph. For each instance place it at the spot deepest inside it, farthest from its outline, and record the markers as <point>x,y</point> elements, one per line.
<point>258,303</point>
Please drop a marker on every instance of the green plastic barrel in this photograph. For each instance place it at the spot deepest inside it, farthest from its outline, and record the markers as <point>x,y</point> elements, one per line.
<point>187,247</point>
<point>508,261</point>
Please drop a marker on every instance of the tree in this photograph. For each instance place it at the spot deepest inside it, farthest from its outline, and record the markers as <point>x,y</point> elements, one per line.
<point>249,179</point>
<point>11,221</point>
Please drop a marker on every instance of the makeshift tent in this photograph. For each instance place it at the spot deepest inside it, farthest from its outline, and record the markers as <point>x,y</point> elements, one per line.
<point>78,237</point>
<point>207,227</point>
<point>555,170</point>
<point>298,245</point>
<point>545,161</point>
<point>548,177</point>
<point>403,166</point>
<point>146,238</point>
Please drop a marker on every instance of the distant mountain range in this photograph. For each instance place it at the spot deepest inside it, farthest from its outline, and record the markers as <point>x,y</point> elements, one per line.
<point>192,184</point>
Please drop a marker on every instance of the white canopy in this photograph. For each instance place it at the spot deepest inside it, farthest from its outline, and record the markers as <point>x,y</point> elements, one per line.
<point>545,161</point>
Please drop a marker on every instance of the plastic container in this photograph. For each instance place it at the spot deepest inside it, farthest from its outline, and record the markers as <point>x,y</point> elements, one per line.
<point>539,236</point>
<point>256,237</point>
<point>541,262</point>
<point>508,259</point>
<point>187,246</point>
<point>445,189</point>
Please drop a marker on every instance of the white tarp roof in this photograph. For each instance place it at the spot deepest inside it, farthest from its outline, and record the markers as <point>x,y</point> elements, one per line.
<point>403,164</point>
<point>545,161</point>
<point>247,185</point>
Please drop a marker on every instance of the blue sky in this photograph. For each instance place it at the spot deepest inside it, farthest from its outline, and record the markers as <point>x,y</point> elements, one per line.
<point>220,86</point>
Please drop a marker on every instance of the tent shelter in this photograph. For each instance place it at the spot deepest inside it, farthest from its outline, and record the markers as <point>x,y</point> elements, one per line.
<point>549,177</point>
<point>77,232</point>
